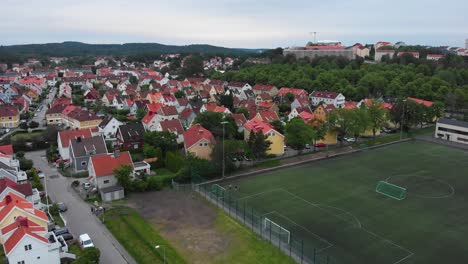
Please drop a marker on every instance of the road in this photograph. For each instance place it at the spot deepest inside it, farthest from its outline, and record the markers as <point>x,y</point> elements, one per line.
<point>78,217</point>
<point>39,116</point>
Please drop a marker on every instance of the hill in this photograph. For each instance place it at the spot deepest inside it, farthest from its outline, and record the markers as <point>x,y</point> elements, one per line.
<point>69,49</point>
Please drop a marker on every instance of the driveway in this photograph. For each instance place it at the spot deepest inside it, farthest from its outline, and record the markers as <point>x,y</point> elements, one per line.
<point>78,217</point>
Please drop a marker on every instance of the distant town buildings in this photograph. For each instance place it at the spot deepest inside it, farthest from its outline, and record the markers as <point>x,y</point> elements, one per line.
<point>320,49</point>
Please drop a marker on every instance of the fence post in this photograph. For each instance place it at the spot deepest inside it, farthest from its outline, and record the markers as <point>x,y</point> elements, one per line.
<point>252,220</point>
<point>290,242</point>
<point>315,253</point>
<point>244,213</point>
<point>302,251</point>
<point>270,231</point>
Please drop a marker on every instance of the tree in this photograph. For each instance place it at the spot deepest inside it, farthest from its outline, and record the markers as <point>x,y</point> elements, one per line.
<point>23,125</point>
<point>227,100</point>
<point>179,94</point>
<point>298,133</point>
<point>33,124</point>
<point>212,122</point>
<point>193,66</point>
<point>259,144</point>
<point>133,79</point>
<point>25,164</point>
<point>290,97</point>
<point>122,174</point>
<point>244,111</point>
<point>278,126</point>
<point>320,129</point>
<point>340,121</point>
<point>140,114</point>
<point>165,140</point>
<point>89,256</point>
<point>377,116</point>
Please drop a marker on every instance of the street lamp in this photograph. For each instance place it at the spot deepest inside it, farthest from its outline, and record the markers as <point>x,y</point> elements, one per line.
<point>223,123</point>
<point>164,250</point>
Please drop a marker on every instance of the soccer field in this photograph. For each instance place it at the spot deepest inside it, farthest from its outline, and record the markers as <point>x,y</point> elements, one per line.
<point>333,207</point>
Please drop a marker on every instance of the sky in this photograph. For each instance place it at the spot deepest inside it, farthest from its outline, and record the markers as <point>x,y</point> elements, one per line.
<point>234,23</point>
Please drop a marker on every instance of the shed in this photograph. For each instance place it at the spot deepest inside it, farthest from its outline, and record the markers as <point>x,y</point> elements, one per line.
<point>112,193</point>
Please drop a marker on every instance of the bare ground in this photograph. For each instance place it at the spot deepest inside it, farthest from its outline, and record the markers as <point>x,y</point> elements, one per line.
<point>186,220</point>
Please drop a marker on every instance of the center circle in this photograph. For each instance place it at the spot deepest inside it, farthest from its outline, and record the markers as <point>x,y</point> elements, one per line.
<point>423,186</point>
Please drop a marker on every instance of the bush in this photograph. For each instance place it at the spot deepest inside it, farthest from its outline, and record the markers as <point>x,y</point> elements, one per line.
<point>174,161</point>
<point>34,124</point>
<point>36,181</point>
<point>23,125</point>
<point>154,183</point>
<point>25,164</point>
<point>19,154</point>
<point>89,256</point>
<point>140,186</point>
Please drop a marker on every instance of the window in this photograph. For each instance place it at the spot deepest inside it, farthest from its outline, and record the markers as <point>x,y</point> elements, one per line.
<point>9,117</point>
<point>21,262</point>
<point>206,144</point>
<point>106,181</point>
<point>27,247</point>
<point>83,163</point>
<point>453,131</point>
<point>201,144</point>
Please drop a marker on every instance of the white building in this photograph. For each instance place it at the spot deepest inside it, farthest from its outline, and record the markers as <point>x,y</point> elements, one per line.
<point>452,130</point>
<point>108,127</point>
<point>381,53</point>
<point>328,98</point>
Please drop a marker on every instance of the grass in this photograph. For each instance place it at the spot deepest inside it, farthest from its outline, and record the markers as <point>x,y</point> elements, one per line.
<point>245,246</point>
<point>138,237</point>
<point>163,172</point>
<point>332,205</point>
<point>26,136</point>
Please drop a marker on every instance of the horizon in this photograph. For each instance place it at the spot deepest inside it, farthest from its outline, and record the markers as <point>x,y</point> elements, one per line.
<point>264,24</point>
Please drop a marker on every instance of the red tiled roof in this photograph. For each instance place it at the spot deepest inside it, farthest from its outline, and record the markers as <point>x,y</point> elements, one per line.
<point>168,110</point>
<point>307,117</point>
<point>8,110</point>
<point>105,164</point>
<point>350,105</point>
<point>186,113</point>
<point>268,116</point>
<point>22,221</point>
<point>173,125</point>
<point>196,133</point>
<point>256,126</point>
<point>25,188</point>
<point>12,201</point>
<point>262,87</point>
<point>324,94</point>
<point>296,91</point>
<point>6,149</point>
<point>239,119</point>
<point>66,135</point>
<point>421,101</point>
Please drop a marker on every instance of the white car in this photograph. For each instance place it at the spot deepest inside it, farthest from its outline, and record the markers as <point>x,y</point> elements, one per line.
<point>86,185</point>
<point>85,241</point>
<point>351,140</point>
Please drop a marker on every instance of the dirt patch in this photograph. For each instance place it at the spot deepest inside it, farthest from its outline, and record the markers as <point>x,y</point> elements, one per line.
<point>186,220</point>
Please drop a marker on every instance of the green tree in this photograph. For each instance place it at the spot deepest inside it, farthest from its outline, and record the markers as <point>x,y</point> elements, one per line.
<point>278,126</point>
<point>298,133</point>
<point>179,94</point>
<point>165,140</point>
<point>89,256</point>
<point>193,66</point>
<point>259,144</point>
<point>244,111</point>
<point>123,176</point>
<point>140,114</point>
<point>377,116</point>
<point>213,122</point>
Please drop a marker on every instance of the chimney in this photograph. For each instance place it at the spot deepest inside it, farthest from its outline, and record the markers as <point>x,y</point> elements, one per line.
<point>23,221</point>
<point>8,199</point>
<point>78,139</point>
<point>200,131</point>
<point>116,153</point>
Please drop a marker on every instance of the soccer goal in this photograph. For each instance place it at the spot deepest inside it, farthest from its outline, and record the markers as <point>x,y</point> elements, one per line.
<point>391,190</point>
<point>218,190</point>
<point>280,232</point>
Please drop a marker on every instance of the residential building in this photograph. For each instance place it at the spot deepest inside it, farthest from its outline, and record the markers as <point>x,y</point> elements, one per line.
<point>13,205</point>
<point>65,136</point>
<point>130,136</point>
<point>452,130</point>
<point>265,89</point>
<point>108,127</point>
<point>434,57</point>
<point>316,51</point>
<point>379,54</point>
<point>186,117</point>
<point>81,149</point>
<point>326,97</point>
<point>267,116</point>
<point>9,116</point>
<point>174,126</point>
<point>414,54</point>
<point>361,51</point>
<point>199,142</point>
<point>101,168</point>
<point>240,121</point>
<point>297,92</point>
<point>276,138</point>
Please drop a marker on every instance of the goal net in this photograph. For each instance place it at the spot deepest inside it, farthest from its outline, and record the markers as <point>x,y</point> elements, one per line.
<point>276,230</point>
<point>391,190</point>
<point>218,190</point>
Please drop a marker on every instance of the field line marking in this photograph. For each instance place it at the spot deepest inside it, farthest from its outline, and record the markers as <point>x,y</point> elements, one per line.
<point>359,225</point>
<point>317,236</point>
<point>410,253</point>
<point>258,194</point>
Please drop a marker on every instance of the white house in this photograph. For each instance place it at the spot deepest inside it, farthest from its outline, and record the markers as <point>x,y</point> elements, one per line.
<point>64,137</point>
<point>328,98</point>
<point>108,127</point>
<point>452,130</point>
<point>173,126</point>
<point>381,53</point>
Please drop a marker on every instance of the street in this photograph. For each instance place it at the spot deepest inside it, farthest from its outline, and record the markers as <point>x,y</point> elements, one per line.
<point>39,115</point>
<point>78,218</point>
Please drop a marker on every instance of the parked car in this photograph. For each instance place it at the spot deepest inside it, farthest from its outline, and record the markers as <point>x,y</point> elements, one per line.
<point>40,174</point>
<point>85,241</point>
<point>320,145</point>
<point>350,140</point>
<point>62,207</point>
<point>61,231</point>
<point>307,146</point>
<point>247,158</point>
<point>86,185</point>
<point>67,236</point>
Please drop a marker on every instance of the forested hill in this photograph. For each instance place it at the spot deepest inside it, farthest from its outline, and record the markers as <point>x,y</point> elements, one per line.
<point>69,49</point>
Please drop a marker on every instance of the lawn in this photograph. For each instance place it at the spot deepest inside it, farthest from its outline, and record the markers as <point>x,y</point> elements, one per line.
<point>333,208</point>
<point>139,238</point>
<point>25,136</point>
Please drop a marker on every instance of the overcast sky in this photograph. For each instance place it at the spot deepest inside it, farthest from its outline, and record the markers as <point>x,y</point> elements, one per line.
<point>234,23</point>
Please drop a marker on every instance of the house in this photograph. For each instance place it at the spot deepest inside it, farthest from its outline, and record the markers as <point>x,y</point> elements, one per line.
<point>91,96</point>
<point>118,102</point>
<point>295,91</point>
<point>64,137</point>
<point>9,116</point>
<point>101,168</point>
<point>276,138</point>
<point>296,111</point>
<point>167,112</point>
<point>7,150</point>
<point>239,86</point>
<point>13,206</point>
<point>300,102</point>
<point>379,54</point>
<point>78,118</point>
<point>434,57</point>
<point>199,142</point>
<point>65,90</point>
<point>24,190</point>
<point>130,136</point>
<point>108,97</point>
<point>186,117</point>
<point>173,126</point>
<point>54,114</point>
<point>265,89</point>
<point>108,127</point>
<point>266,116</point>
<point>240,121</point>
<point>452,130</point>
<point>263,97</point>
<point>306,116</point>
<point>28,242</point>
<point>151,119</point>
<point>212,107</point>
<point>138,104</point>
<point>326,97</point>
<point>421,101</point>
<point>81,149</point>
<point>361,51</point>
<point>381,44</point>
<point>414,54</point>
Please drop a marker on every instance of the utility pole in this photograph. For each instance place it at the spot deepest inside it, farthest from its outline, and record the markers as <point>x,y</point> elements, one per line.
<point>223,123</point>
<point>402,119</point>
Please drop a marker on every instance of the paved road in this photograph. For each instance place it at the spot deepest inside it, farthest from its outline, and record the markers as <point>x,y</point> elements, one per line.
<point>78,217</point>
<point>43,106</point>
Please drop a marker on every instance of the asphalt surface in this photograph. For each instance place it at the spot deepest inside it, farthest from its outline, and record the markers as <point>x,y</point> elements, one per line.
<point>44,106</point>
<point>78,218</point>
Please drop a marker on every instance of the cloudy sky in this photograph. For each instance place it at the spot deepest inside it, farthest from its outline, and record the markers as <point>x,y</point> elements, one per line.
<point>234,23</point>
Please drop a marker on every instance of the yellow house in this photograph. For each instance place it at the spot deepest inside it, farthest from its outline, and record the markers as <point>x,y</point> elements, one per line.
<point>13,206</point>
<point>9,116</point>
<point>199,142</point>
<point>330,138</point>
<point>276,138</point>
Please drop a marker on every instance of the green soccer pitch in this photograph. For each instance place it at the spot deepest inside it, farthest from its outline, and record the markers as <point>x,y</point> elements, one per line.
<point>334,208</point>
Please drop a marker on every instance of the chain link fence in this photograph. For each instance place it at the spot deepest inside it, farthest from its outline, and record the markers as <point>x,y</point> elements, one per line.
<point>290,243</point>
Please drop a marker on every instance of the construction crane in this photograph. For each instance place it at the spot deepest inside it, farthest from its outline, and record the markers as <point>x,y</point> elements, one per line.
<point>315,36</point>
